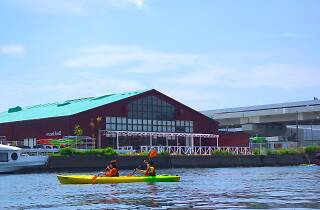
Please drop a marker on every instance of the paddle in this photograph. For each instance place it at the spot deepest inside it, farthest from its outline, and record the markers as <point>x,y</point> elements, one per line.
<point>152,154</point>
<point>94,178</point>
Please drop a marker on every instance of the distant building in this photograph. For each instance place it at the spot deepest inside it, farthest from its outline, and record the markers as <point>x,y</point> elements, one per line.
<point>273,120</point>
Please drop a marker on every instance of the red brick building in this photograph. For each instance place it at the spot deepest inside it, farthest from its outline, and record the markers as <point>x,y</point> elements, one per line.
<point>137,111</point>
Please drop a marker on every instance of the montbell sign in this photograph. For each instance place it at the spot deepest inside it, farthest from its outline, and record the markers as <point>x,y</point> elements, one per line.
<point>54,133</point>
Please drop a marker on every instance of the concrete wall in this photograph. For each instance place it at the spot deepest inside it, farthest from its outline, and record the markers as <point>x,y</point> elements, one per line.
<point>130,162</point>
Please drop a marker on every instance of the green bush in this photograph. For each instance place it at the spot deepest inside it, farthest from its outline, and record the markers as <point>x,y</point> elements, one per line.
<point>67,151</point>
<point>285,151</point>
<point>309,149</point>
<point>98,152</point>
<point>256,151</point>
<point>164,153</point>
<point>222,153</point>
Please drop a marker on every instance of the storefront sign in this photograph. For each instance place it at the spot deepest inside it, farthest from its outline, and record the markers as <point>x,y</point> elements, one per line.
<point>54,133</point>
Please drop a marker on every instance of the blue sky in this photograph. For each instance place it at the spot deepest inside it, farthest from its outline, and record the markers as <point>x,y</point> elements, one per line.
<point>207,54</point>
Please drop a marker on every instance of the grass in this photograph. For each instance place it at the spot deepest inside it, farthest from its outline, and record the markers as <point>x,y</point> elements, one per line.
<point>97,152</point>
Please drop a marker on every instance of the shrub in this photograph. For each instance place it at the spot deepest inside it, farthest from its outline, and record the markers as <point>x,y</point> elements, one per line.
<point>222,153</point>
<point>310,149</point>
<point>285,151</point>
<point>67,151</point>
<point>164,153</point>
<point>256,151</point>
<point>98,152</point>
<point>143,154</point>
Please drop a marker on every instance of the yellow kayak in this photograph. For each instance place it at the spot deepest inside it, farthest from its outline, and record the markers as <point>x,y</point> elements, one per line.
<point>88,179</point>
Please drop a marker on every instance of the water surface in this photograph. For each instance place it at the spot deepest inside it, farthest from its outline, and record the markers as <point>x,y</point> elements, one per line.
<point>222,188</point>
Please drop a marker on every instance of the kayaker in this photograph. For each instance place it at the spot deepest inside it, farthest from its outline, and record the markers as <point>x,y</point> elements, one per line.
<point>112,169</point>
<point>151,169</point>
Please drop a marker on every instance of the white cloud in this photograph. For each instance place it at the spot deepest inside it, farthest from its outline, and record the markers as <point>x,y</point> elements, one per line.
<point>130,58</point>
<point>13,49</point>
<point>285,76</point>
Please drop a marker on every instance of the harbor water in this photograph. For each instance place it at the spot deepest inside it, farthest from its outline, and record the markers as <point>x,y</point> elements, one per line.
<point>216,188</point>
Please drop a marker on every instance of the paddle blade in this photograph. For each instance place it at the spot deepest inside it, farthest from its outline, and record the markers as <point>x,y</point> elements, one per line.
<point>153,153</point>
<point>94,179</point>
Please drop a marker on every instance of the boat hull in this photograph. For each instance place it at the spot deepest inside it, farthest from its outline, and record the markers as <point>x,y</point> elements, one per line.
<point>22,163</point>
<point>85,179</point>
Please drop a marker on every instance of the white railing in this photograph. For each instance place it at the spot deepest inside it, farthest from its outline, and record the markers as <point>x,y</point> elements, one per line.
<point>12,143</point>
<point>197,150</point>
<point>126,148</point>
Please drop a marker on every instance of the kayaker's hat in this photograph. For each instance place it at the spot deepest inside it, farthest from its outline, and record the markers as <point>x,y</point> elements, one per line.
<point>113,162</point>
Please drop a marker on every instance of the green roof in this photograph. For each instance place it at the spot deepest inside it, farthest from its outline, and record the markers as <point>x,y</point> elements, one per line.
<point>59,109</point>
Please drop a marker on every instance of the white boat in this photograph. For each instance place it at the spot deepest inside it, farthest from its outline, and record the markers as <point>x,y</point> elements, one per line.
<point>13,159</point>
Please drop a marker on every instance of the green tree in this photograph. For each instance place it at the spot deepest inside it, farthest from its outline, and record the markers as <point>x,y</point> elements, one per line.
<point>78,130</point>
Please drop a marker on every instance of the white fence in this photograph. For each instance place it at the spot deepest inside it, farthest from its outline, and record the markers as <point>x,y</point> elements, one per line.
<point>196,150</point>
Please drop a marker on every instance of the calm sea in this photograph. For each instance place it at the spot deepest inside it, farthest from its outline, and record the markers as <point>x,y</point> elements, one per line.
<point>225,188</point>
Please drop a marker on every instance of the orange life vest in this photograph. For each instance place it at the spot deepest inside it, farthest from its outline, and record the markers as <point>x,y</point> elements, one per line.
<point>151,171</point>
<point>112,172</point>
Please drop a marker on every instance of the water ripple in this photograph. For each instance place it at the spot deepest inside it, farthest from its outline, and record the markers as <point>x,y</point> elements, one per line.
<point>225,188</point>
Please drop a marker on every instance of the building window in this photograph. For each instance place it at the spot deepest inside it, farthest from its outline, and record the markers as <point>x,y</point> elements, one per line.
<point>149,114</point>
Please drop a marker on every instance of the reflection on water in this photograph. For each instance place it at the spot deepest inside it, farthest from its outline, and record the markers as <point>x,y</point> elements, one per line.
<point>254,188</point>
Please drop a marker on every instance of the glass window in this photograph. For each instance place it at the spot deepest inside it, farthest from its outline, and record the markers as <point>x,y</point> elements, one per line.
<point>187,123</point>
<point>155,128</point>
<point>129,127</point>
<point>145,128</point>
<point>159,128</point>
<point>108,127</point>
<point>4,157</point>
<point>153,109</point>
<point>113,119</point>
<point>191,123</point>
<point>139,121</point>
<point>134,115</point>
<point>191,129</point>
<point>145,122</point>
<point>164,128</point>
<point>129,121</point>
<point>149,128</point>
<point>134,127</point>
<point>134,121</point>
<point>124,120</point>
<point>178,123</point>
<point>108,119</point>
<point>139,127</point>
<point>113,127</point>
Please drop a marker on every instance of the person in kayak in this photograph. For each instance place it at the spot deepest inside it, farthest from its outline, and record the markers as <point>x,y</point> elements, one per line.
<point>151,169</point>
<point>112,169</point>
